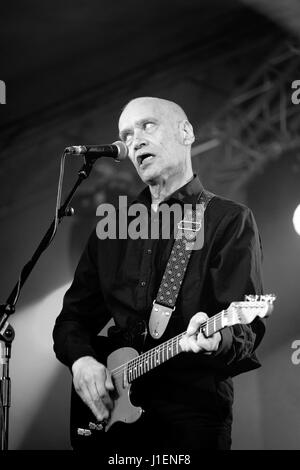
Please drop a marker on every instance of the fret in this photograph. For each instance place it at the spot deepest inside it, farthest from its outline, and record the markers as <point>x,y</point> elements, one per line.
<point>220,322</point>
<point>147,364</point>
<point>170,348</point>
<point>216,323</point>
<point>136,370</point>
<point>140,367</point>
<point>157,357</point>
<point>207,332</point>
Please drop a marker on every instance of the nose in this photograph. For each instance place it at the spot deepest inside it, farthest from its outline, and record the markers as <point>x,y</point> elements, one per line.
<point>139,144</point>
<point>139,140</point>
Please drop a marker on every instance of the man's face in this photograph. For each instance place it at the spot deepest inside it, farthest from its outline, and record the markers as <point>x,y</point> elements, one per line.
<point>151,133</point>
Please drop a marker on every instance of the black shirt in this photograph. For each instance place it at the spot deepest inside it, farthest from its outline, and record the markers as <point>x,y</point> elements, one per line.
<point>119,278</point>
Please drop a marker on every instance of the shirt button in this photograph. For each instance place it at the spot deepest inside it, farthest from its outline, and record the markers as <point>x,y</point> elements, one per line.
<point>143,283</point>
<point>149,252</point>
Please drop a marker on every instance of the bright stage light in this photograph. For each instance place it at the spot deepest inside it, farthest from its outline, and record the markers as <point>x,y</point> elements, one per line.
<point>296,219</point>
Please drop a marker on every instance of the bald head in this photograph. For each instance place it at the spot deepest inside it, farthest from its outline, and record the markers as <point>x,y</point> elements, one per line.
<point>166,107</point>
<point>158,136</point>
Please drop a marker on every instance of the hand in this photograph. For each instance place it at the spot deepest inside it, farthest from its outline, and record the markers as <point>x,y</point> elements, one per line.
<point>194,340</point>
<point>92,382</point>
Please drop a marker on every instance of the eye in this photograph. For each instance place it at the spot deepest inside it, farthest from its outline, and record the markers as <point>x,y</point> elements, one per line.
<point>127,138</point>
<point>149,126</point>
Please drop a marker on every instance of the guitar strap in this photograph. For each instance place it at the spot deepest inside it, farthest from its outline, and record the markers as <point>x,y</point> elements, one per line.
<point>189,237</point>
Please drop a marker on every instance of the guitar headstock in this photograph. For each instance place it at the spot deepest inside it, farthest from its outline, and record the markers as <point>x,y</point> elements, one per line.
<point>253,306</point>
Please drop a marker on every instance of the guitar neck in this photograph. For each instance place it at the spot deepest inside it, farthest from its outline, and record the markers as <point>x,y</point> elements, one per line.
<point>154,357</point>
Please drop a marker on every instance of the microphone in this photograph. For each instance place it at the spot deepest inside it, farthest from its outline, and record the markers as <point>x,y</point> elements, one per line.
<point>117,150</point>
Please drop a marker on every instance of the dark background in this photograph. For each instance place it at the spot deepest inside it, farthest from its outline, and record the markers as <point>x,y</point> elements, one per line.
<point>69,67</point>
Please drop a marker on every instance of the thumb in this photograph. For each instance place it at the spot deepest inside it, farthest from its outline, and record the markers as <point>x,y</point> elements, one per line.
<point>108,382</point>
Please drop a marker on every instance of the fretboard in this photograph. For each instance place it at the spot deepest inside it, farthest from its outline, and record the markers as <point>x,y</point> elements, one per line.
<point>154,357</point>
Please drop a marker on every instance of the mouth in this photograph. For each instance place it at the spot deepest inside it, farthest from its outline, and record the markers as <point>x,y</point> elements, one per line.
<point>142,160</point>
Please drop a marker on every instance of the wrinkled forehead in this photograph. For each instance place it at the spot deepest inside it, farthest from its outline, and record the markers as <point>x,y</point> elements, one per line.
<point>139,110</point>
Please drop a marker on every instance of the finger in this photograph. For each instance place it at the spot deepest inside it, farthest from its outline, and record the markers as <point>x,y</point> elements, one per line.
<point>94,391</point>
<point>99,410</point>
<point>183,343</point>
<point>189,343</point>
<point>96,406</point>
<point>207,344</point>
<point>108,402</point>
<point>104,396</point>
<point>193,344</point>
<point>195,322</point>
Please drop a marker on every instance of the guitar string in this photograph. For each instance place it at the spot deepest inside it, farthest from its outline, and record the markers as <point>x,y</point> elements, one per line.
<point>161,346</point>
<point>134,365</point>
<point>139,360</point>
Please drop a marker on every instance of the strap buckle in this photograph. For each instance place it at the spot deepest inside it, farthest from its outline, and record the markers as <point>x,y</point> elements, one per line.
<point>181,225</point>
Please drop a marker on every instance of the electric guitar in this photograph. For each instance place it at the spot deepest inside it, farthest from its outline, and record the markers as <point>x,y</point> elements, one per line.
<point>126,365</point>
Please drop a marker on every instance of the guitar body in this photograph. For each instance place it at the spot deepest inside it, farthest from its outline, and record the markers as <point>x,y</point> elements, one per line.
<point>126,365</point>
<point>123,410</point>
<point>84,423</point>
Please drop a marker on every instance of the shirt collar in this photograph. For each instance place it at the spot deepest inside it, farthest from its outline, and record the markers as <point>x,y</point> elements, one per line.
<point>187,194</point>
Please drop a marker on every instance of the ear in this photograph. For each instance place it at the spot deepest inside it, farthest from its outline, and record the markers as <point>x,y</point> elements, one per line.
<point>186,132</point>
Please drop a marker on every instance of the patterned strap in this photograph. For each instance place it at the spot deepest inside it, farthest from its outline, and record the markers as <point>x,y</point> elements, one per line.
<point>189,237</point>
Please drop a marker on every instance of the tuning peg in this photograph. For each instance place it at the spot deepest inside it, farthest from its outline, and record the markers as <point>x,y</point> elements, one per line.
<point>260,298</point>
<point>251,298</point>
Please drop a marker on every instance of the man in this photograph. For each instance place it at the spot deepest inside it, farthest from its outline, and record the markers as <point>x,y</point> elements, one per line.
<point>187,400</point>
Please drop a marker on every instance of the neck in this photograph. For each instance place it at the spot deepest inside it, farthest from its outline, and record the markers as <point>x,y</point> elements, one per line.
<point>163,188</point>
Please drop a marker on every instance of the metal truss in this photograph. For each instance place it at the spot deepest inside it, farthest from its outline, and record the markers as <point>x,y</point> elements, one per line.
<point>259,123</point>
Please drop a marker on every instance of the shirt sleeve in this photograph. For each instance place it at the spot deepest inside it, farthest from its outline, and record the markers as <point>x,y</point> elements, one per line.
<point>236,271</point>
<point>84,313</point>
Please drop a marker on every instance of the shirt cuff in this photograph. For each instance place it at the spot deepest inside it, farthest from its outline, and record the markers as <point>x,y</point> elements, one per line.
<point>225,343</point>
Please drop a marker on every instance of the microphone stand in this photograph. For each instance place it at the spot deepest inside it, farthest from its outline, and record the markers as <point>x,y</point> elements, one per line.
<point>7,333</point>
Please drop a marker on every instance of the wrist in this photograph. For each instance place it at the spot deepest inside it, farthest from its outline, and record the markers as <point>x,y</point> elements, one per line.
<point>81,361</point>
